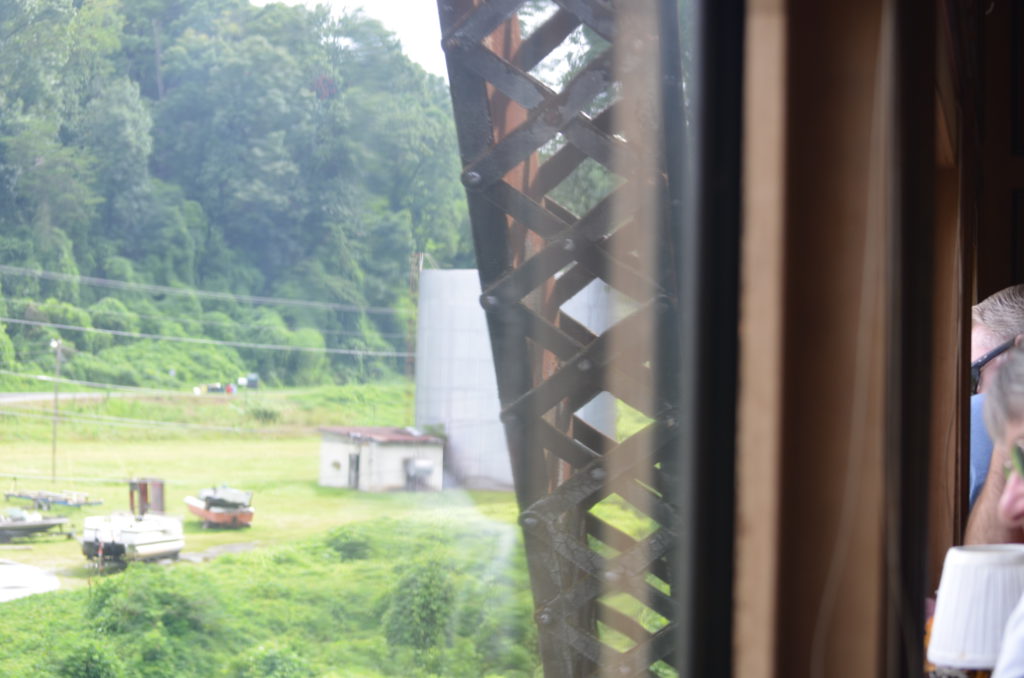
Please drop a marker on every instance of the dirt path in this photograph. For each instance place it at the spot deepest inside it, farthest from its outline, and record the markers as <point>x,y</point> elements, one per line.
<point>214,551</point>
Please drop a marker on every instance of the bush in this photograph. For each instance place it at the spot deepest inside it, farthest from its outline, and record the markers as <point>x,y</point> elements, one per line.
<point>147,595</point>
<point>420,605</point>
<point>90,659</point>
<point>348,543</point>
<point>263,414</point>
<point>271,662</point>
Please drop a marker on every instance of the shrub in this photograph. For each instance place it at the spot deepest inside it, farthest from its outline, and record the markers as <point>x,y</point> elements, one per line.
<point>90,659</point>
<point>263,414</point>
<point>348,543</point>
<point>147,595</point>
<point>271,662</point>
<point>420,605</point>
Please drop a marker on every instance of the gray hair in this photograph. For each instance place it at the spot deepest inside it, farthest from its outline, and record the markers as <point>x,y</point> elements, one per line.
<point>1005,401</point>
<point>1002,313</point>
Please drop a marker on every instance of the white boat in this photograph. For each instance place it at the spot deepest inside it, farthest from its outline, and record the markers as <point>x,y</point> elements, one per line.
<point>123,536</point>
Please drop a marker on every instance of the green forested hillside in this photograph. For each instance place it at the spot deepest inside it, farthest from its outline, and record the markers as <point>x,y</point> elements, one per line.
<point>214,145</point>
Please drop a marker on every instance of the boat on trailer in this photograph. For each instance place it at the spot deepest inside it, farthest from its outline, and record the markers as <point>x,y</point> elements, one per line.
<point>44,499</point>
<point>222,506</point>
<point>18,523</point>
<point>124,536</point>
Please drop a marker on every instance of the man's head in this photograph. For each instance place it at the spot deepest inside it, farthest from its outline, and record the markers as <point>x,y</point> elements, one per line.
<point>996,320</point>
<point>1004,407</point>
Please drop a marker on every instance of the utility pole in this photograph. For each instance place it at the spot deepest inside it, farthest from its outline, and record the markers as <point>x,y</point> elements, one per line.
<point>55,344</point>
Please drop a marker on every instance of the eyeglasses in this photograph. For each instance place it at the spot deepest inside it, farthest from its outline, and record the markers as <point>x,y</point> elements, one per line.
<point>978,364</point>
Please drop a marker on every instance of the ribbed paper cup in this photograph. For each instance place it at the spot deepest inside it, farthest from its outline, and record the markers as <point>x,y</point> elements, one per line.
<point>979,588</point>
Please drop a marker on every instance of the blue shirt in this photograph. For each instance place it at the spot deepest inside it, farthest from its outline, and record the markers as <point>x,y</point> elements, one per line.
<point>981,447</point>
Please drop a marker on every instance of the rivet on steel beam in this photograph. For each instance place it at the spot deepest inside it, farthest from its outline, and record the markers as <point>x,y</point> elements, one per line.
<point>584,365</point>
<point>612,576</point>
<point>472,178</point>
<point>625,670</point>
<point>527,520</point>
<point>545,617</point>
<point>598,473</point>
<point>552,117</point>
<point>451,43</point>
<point>489,302</point>
<point>568,244</point>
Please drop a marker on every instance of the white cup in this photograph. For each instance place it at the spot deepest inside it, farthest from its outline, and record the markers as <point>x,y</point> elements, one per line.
<point>979,588</point>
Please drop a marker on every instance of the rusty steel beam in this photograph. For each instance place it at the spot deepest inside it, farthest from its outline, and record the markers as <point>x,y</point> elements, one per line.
<point>612,596</point>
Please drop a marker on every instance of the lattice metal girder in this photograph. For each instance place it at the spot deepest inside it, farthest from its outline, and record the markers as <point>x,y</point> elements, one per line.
<point>554,339</point>
<point>660,646</point>
<point>578,241</point>
<point>529,92</point>
<point>549,364</point>
<point>506,76</point>
<point>591,589</point>
<point>482,21</point>
<point>618,271</point>
<point>637,450</point>
<point>643,499</point>
<point>564,448</point>
<point>597,14</point>
<point>622,622</point>
<point>525,210</point>
<point>633,561</point>
<point>544,122</point>
<point>615,538</point>
<point>619,572</point>
<point>546,38</point>
<point>591,437</point>
<point>575,331</point>
<point>574,375</point>
<point>568,285</point>
<point>584,643</point>
<point>559,166</point>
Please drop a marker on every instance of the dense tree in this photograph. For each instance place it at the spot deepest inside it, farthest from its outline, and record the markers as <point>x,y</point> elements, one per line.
<point>273,151</point>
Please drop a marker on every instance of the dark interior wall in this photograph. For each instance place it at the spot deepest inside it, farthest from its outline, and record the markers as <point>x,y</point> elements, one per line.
<point>950,308</point>
<point>834,342</point>
<point>1000,236</point>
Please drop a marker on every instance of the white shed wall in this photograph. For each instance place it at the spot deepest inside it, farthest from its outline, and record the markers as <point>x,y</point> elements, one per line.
<point>335,450</point>
<point>381,466</point>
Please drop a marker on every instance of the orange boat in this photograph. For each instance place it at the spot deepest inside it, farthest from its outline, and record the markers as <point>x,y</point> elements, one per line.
<point>222,507</point>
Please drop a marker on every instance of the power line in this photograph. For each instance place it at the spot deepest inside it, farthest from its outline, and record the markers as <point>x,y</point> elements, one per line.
<point>97,314</point>
<point>213,342</point>
<point>120,421</point>
<point>191,291</point>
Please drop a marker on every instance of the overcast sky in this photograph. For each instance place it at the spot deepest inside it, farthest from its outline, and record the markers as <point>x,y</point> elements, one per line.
<point>415,23</point>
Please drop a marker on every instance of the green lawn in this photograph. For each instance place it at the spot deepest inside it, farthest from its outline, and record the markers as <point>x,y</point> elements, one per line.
<point>329,575</point>
<point>328,569</point>
<point>282,473</point>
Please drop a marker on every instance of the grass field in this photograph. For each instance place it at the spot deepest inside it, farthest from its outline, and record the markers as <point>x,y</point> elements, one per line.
<point>265,412</point>
<point>282,473</point>
<point>326,570</point>
<point>327,578</point>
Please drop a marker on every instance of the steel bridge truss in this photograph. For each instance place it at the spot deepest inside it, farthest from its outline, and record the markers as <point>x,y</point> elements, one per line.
<point>572,174</point>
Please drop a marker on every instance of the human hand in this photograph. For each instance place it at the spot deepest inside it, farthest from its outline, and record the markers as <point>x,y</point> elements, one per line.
<point>1011,502</point>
